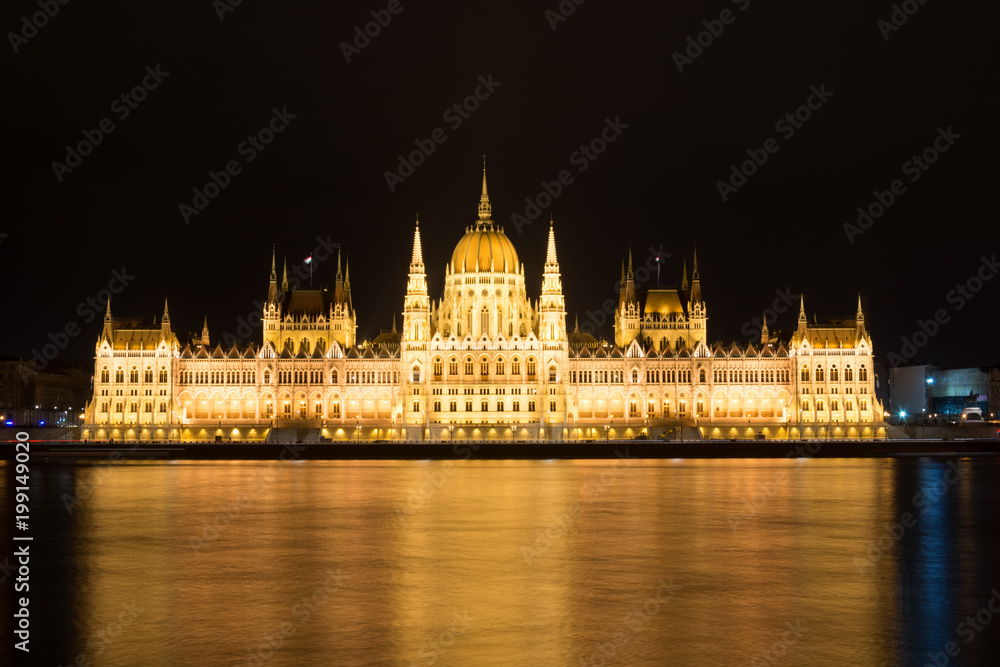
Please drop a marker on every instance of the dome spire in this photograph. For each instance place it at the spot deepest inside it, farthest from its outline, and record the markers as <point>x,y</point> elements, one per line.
<point>550,253</point>
<point>484,201</point>
<point>417,261</point>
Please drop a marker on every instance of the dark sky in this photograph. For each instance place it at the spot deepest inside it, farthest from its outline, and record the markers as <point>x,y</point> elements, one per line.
<point>323,175</point>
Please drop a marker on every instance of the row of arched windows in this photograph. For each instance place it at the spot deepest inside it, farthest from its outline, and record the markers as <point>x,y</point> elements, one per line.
<point>133,374</point>
<point>469,367</point>
<point>133,406</point>
<point>835,405</point>
<point>484,406</point>
<point>819,374</point>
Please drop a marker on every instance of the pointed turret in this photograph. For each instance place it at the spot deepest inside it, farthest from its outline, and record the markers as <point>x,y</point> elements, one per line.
<point>338,290</point>
<point>204,332</point>
<point>485,210</point>
<point>684,275</point>
<point>284,275</point>
<point>417,260</point>
<point>802,309</point>
<point>695,280</point>
<point>272,284</point>
<point>347,283</point>
<point>108,322</point>
<point>764,338</point>
<point>630,281</point>
<point>859,321</point>
<point>576,323</point>
<point>551,263</point>
<point>165,321</point>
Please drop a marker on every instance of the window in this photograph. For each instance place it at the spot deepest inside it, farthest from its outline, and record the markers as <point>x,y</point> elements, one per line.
<point>834,375</point>
<point>468,366</point>
<point>453,366</point>
<point>163,373</point>
<point>437,406</point>
<point>516,406</point>
<point>701,375</point>
<point>805,404</point>
<point>118,406</point>
<point>416,377</point>
<point>500,367</point>
<point>163,406</point>
<point>531,367</point>
<point>863,405</point>
<point>104,406</point>
<point>848,375</point>
<point>438,367</point>
<point>635,375</point>
<point>148,375</point>
<point>819,373</point>
<point>147,406</point>
<point>552,406</point>
<point>105,376</point>
<point>267,377</point>
<point>552,373</point>
<point>820,405</point>
<point>848,405</point>
<point>416,406</point>
<point>133,407</point>
<point>804,377</point>
<point>484,406</point>
<point>468,406</point>
<point>288,409</point>
<point>453,406</point>
<point>484,367</point>
<point>531,406</point>
<point>834,404</point>
<point>333,376</point>
<point>133,375</point>
<point>500,406</point>
<point>515,366</point>
<point>863,374</point>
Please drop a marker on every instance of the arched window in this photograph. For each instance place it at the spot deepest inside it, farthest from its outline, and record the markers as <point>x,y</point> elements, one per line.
<point>163,373</point>
<point>805,404</point>
<point>333,376</point>
<point>834,375</point>
<point>834,404</point>
<point>863,405</point>
<point>552,373</point>
<point>416,406</point>
<point>484,321</point>
<point>819,404</point>
<point>163,406</point>
<point>863,374</point>
<point>133,406</point>
<point>515,406</point>
<point>104,406</point>
<point>147,406</point>
<point>289,343</point>
<point>118,406</point>
<point>635,375</point>
<point>500,405</point>
<point>468,366</point>
<point>701,375</point>
<point>468,406</point>
<point>148,375</point>
<point>437,406</point>
<point>416,377</point>
<point>453,366</point>
<point>438,367</point>
<point>531,366</point>
<point>105,375</point>
<point>453,406</point>
<point>819,373</point>
<point>484,405</point>
<point>848,405</point>
<point>500,367</point>
<point>515,366</point>
<point>267,377</point>
<point>848,375</point>
<point>484,367</point>
<point>133,375</point>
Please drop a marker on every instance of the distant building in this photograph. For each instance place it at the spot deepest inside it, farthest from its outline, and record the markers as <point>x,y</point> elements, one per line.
<point>993,402</point>
<point>485,361</point>
<point>937,393</point>
<point>55,396</point>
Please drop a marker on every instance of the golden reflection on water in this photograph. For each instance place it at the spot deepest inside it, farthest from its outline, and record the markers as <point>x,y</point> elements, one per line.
<point>692,562</point>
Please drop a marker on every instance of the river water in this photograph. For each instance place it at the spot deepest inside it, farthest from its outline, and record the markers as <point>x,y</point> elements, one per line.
<point>631,562</point>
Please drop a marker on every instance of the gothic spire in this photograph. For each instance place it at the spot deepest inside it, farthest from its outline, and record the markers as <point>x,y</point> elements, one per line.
<point>694,273</point>
<point>284,275</point>
<point>550,253</point>
<point>802,309</point>
<point>860,317</point>
<point>684,275</point>
<point>204,332</point>
<point>763,330</point>
<point>274,275</point>
<point>485,209</point>
<point>166,311</point>
<point>417,261</point>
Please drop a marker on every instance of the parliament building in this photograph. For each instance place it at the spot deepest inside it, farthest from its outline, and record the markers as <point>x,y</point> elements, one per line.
<point>483,362</point>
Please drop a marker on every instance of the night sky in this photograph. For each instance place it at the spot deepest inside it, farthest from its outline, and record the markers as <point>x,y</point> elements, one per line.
<point>886,94</point>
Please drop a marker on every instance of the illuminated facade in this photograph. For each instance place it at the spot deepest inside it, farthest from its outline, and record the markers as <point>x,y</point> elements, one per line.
<point>483,362</point>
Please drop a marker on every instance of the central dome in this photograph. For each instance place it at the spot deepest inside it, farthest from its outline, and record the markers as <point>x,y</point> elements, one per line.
<point>484,247</point>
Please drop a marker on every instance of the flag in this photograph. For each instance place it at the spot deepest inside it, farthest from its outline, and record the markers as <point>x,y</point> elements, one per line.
<point>308,260</point>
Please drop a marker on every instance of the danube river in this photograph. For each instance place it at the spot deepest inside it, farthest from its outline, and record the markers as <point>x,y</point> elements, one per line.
<point>625,562</point>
